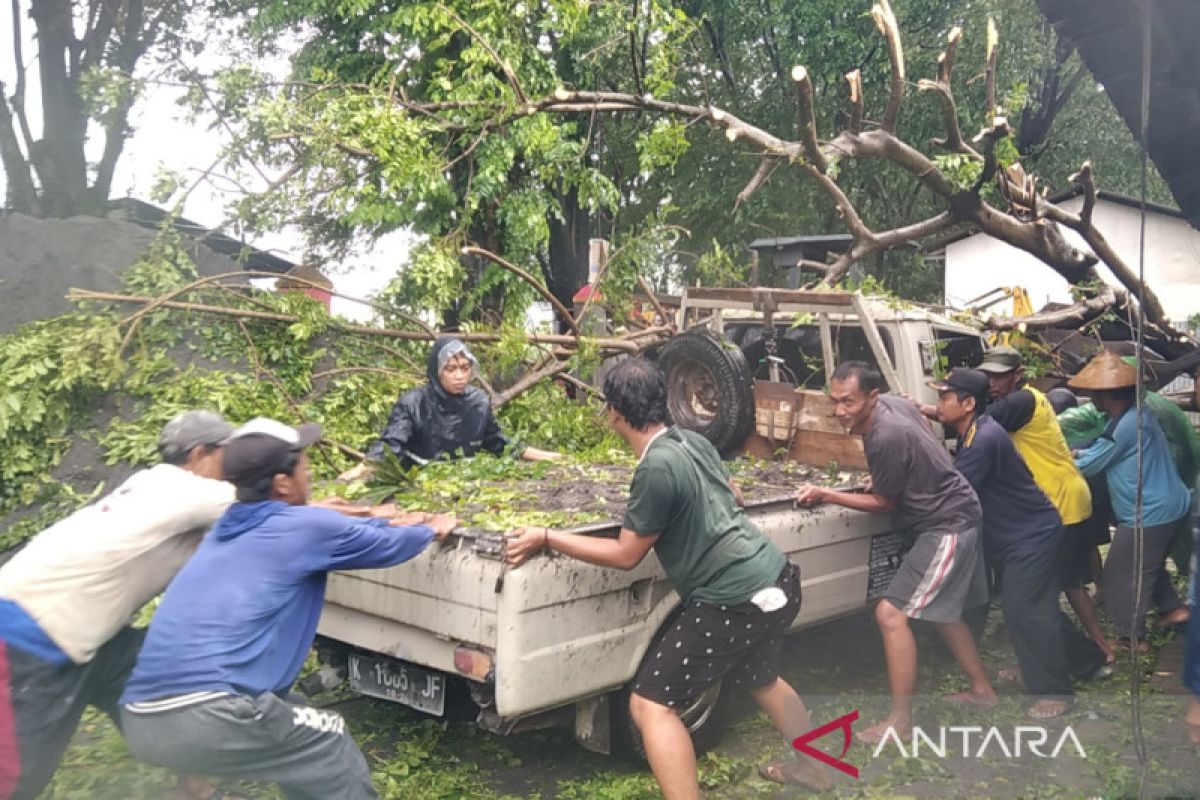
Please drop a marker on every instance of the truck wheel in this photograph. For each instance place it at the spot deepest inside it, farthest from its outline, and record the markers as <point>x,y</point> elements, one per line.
<point>705,719</point>
<point>709,389</point>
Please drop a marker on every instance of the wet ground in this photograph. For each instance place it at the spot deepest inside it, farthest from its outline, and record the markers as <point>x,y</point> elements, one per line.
<point>838,667</point>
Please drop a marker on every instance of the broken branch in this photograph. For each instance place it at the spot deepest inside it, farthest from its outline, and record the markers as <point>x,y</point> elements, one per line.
<point>806,122</point>
<point>885,20</point>
<point>766,168</point>
<point>525,276</point>
<point>603,344</point>
<point>854,79</point>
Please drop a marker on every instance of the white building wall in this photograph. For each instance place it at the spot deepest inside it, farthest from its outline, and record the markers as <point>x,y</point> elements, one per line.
<point>980,263</point>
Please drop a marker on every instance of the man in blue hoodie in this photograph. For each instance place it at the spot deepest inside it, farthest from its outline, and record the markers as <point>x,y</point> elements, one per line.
<point>209,692</point>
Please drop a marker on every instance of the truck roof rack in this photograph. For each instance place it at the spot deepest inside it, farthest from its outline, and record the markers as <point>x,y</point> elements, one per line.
<point>820,304</point>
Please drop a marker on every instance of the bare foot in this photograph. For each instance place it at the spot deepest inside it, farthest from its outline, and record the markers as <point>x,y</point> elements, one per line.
<point>797,773</point>
<point>875,733</point>
<point>1193,720</point>
<point>1048,708</point>
<point>980,699</point>
<point>1143,646</point>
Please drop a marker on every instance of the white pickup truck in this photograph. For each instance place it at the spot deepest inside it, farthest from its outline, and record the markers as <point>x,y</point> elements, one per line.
<point>557,641</point>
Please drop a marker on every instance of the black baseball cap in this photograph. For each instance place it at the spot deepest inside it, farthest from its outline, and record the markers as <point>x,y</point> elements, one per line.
<point>961,379</point>
<point>262,447</point>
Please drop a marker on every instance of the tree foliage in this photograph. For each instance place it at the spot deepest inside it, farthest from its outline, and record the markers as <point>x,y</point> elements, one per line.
<point>419,114</point>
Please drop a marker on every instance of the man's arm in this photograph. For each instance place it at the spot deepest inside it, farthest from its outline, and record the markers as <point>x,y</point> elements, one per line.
<point>376,543</point>
<point>534,454</point>
<point>624,552</point>
<point>1014,410</point>
<point>1099,456</point>
<point>738,497</point>
<point>810,495</point>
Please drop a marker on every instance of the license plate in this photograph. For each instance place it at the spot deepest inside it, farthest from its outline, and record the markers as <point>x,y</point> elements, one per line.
<point>887,551</point>
<point>394,680</point>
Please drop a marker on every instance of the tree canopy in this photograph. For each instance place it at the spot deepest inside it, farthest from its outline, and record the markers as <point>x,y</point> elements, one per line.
<point>423,114</point>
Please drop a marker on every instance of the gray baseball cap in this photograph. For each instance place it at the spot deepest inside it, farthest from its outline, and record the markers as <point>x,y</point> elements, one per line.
<point>1001,359</point>
<point>192,429</point>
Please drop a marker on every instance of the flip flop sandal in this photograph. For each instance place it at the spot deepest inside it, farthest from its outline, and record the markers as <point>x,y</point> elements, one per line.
<point>1060,708</point>
<point>793,773</point>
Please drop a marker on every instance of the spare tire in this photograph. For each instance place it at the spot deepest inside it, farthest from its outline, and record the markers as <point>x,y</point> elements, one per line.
<point>709,389</point>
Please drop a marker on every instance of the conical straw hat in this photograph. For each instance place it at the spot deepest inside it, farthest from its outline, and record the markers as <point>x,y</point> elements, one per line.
<point>1105,371</point>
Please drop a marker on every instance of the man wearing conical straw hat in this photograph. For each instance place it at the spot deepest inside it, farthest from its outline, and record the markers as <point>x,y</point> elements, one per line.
<point>1165,499</point>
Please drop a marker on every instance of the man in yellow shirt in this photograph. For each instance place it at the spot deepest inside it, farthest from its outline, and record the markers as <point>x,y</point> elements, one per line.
<point>1030,419</point>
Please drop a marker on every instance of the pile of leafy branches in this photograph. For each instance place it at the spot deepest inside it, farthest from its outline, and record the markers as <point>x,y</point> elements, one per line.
<point>113,378</point>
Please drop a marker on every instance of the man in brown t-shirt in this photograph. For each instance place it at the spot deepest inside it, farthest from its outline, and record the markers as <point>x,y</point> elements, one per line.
<point>913,476</point>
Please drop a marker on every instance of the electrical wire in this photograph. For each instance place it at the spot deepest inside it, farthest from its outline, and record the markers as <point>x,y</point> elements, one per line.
<point>1139,527</point>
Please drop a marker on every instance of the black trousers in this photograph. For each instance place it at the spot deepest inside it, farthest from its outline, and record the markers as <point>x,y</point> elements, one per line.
<point>42,704</point>
<point>1050,649</point>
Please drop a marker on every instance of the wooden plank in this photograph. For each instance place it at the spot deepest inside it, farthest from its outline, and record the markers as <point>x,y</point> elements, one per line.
<point>819,448</point>
<point>827,347</point>
<point>876,342</point>
<point>697,294</point>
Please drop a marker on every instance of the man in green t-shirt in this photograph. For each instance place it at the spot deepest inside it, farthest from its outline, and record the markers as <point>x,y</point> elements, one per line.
<point>739,593</point>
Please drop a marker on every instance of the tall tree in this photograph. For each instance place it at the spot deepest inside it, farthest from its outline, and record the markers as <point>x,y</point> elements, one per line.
<point>87,54</point>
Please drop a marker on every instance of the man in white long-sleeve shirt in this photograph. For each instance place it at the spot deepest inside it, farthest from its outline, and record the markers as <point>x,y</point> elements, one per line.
<point>67,598</point>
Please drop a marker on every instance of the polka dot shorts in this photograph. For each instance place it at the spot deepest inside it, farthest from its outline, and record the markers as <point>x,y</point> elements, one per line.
<point>704,643</point>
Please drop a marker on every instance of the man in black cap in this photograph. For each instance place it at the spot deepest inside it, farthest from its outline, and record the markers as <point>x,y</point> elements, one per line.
<point>209,692</point>
<point>1032,422</point>
<point>67,598</point>
<point>1022,537</point>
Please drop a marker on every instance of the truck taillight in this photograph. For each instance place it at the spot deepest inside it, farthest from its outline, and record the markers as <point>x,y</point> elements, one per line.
<point>472,663</point>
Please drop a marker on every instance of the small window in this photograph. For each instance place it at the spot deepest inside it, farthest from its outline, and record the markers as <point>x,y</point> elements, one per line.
<point>800,349</point>
<point>952,349</point>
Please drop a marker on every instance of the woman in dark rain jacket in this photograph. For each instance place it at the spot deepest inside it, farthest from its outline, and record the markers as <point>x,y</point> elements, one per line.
<point>446,417</point>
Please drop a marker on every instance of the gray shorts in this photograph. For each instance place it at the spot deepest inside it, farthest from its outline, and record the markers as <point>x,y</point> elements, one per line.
<point>940,576</point>
<point>307,751</point>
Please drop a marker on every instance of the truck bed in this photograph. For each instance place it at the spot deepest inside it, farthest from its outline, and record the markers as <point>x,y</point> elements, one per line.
<point>569,629</point>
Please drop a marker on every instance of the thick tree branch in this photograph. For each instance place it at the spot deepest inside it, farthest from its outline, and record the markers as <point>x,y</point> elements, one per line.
<point>548,369</point>
<point>990,60</point>
<point>881,144</point>
<point>525,276</point>
<point>18,96</point>
<point>854,81</point>
<point>885,20</point>
<point>22,194</point>
<point>954,141</point>
<point>806,121</point>
<point>1073,316</point>
<point>1082,224</point>
<point>766,168</point>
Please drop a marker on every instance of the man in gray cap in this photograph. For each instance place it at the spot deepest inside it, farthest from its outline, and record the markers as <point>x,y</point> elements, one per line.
<point>67,598</point>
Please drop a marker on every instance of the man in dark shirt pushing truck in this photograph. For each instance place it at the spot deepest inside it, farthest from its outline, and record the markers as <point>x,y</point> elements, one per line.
<point>943,573</point>
<point>1022,537</point>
